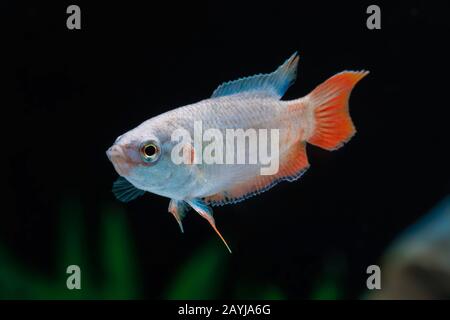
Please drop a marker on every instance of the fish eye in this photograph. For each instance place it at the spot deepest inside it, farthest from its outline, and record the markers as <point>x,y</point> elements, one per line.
<point>150,151</point>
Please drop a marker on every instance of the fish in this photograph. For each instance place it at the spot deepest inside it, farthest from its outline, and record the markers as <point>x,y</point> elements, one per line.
<point>144,156</point>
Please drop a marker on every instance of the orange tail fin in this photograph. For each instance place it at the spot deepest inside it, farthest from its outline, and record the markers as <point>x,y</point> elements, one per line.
<point>329,104</point>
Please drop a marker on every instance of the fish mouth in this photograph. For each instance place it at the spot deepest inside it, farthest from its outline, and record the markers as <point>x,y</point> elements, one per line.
<point>119,160</point>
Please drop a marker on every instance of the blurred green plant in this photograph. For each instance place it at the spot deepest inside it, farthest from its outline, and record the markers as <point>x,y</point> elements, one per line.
<point>258,292</point>
<point>329,284</point>
<point>119,280</point>
<point>201,277</point>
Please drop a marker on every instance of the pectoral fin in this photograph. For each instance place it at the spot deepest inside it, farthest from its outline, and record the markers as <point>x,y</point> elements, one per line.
<point>206,212</point>
<point>125,191</point>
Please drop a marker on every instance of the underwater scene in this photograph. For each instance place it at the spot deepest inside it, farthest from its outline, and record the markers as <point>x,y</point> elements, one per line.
<point>288,150</point>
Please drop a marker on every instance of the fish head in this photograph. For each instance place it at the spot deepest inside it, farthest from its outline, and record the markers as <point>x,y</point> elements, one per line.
<point>142,156</point>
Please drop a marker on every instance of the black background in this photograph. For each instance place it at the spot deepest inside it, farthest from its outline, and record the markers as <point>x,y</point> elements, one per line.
<point>67,94</point>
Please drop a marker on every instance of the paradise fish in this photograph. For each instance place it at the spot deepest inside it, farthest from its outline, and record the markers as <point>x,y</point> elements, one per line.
<point>143,155</point>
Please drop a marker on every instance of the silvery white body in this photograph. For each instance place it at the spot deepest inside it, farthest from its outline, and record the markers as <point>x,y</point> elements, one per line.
<point>239,111</point>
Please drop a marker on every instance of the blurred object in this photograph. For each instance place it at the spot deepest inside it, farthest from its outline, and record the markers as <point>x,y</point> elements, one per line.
<point>417,266</point>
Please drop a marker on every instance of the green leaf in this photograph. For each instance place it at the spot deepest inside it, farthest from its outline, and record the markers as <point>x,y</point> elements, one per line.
<point>119,258</point>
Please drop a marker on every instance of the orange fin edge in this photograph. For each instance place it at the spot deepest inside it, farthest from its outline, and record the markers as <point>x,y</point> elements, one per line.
<point>293,164</point>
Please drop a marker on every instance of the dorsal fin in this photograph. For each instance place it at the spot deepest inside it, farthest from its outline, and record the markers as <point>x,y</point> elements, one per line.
<point>273,84</point>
